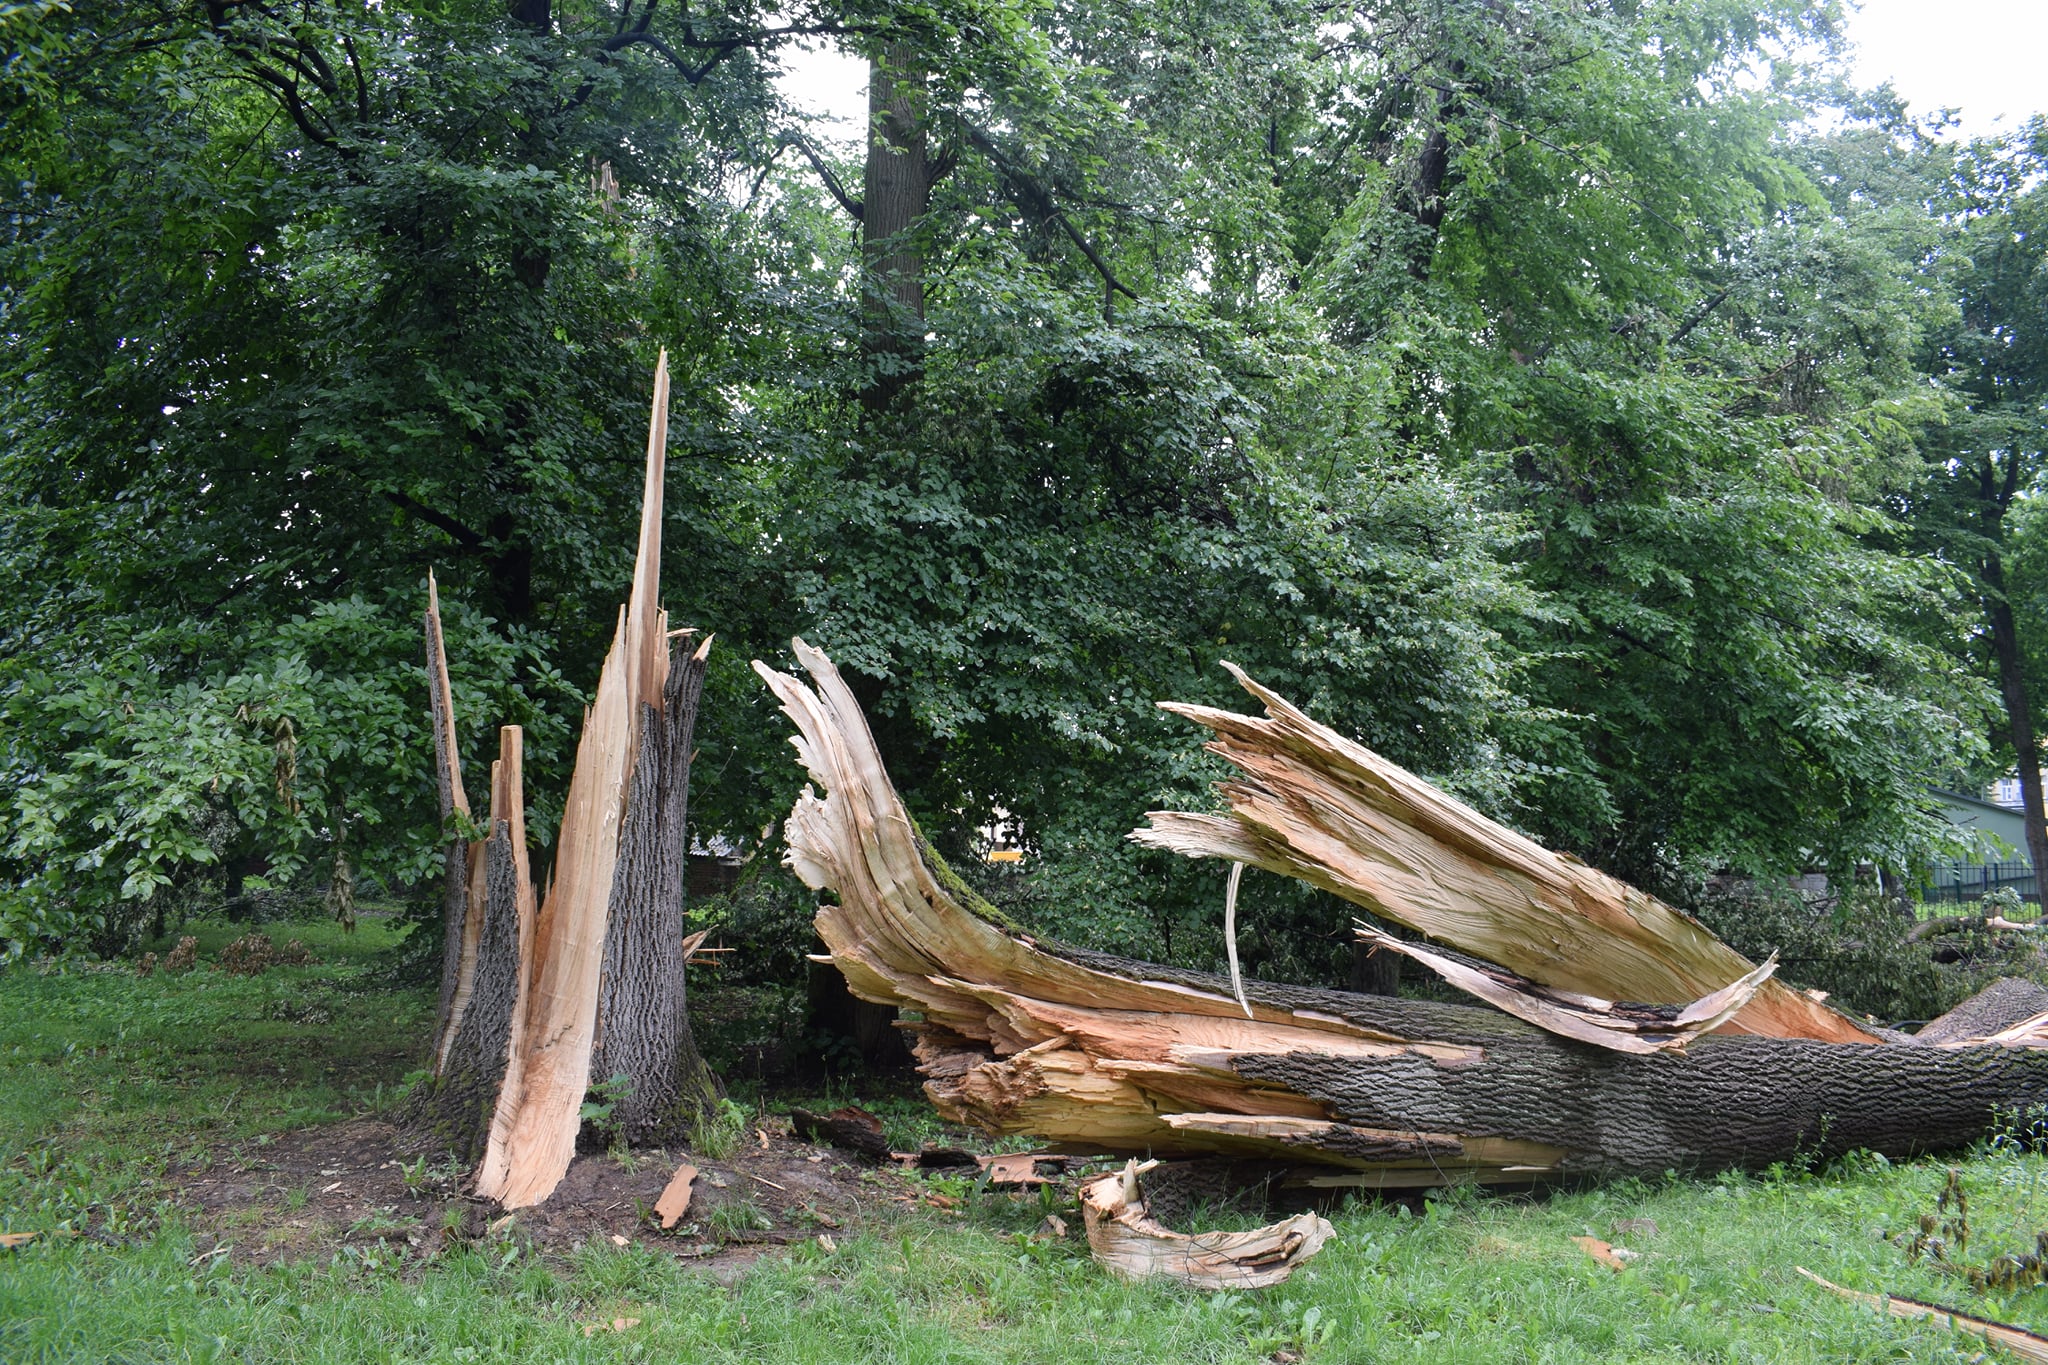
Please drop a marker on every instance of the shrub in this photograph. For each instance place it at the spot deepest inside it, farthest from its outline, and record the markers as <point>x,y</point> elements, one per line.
<point>1858,950</point>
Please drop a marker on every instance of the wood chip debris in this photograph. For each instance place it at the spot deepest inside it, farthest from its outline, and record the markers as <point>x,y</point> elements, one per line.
<point>675,1198</point>
<point>1613,1257</point>
<point>1126,1240</point>
<point>591,1329</point>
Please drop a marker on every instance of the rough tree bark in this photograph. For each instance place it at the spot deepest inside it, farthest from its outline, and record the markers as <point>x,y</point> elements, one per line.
<point>1102,1054</point>
<point>896,189</point>
<point>643,1024</point>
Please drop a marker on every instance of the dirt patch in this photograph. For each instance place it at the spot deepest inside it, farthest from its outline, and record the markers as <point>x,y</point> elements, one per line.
<point>385,1192</point>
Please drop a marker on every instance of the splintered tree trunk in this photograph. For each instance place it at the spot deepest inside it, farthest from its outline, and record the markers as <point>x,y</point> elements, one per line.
<point>1106,1054</point>
<point>547,1073</point>
<point>457,948</point>
<point>643,1027</point>
<point>457,1101</point>
<point>537,1006</point>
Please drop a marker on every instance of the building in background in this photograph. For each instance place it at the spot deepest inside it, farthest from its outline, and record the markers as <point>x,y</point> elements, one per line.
<point>1997,853</point>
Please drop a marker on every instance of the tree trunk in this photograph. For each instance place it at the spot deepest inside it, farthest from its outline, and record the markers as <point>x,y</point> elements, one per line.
<point>548,1068</point>
<point>2019,720</point>
<point>540,1007</point>
<point>1104,1054</point>
<point>643,1025</point>
<point>895,194</point>
<point>457,945</point>
<point>1374,971</point>
<point>456,1102</point>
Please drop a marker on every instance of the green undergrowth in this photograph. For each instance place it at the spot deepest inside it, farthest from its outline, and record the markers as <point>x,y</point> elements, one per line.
<point>107,1080</point>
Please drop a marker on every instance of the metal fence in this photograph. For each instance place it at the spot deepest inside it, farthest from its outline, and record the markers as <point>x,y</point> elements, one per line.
<point>1971,881</point>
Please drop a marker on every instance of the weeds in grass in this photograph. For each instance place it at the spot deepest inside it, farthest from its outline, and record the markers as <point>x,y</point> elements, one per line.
<point>721,1131</point>
<point>736,1217</point>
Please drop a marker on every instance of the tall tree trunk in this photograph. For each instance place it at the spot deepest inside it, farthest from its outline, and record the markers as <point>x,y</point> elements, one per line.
<point>896,192</point>
<point>1996,489</point>
<point>2019,719</point>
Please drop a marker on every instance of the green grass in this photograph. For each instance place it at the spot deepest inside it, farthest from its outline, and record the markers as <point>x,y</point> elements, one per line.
<point>104,1079</point>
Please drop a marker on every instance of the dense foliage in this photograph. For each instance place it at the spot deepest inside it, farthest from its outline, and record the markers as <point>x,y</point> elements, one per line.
<point>1529,390</point>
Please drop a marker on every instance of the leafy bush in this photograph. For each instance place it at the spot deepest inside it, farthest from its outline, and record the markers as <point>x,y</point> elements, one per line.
<point>1857,950</point>
<point>127,790</point>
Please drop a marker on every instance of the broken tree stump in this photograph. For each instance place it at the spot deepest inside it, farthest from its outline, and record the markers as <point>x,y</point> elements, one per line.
<point>542,1008</point>
<point>1104,1054</point>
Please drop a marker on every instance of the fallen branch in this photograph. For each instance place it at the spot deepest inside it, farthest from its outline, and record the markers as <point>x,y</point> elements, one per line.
<point>2030,1346</point>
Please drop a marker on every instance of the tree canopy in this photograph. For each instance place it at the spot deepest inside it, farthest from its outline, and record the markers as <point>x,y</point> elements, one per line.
<point>1583,404</point>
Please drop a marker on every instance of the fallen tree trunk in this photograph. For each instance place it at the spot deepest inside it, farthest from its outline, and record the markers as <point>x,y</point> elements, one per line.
<point>1103,1054</point>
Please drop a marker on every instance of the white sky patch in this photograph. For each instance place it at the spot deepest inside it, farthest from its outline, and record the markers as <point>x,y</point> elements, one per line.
<point>1986,58</point>
<point>832,85</point>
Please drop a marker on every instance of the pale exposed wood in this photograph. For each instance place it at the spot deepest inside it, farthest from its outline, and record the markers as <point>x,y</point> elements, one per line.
<point>1127,1241</point>
<point>1100,1054</point>
<point>675,1196</point>
<point>533,1132</point>
<point>1599,1022</point>
<point>1315,805</point>
<point>2023,1344</point>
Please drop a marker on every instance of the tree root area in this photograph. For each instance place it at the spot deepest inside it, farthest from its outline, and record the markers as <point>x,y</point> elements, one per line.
<point>371,1189</point>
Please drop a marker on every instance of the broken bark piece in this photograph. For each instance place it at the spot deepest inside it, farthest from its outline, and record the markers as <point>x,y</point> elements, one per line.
<point>1317,806</point>
<point>1123,1238</point>
<point>941,1159</point>
<point>1021,1170</point>
<point>675,1196</point>
<point>2029,1346</point>
<point>850,1129</point>
<point>1104,1054</point>
<point>1604,1023</point>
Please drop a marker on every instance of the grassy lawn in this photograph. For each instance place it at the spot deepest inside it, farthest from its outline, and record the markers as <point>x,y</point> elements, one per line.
<point>108,1081</point>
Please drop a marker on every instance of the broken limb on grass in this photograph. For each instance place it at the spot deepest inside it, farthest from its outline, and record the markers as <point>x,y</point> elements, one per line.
<point>538,1004</point>
<point>1314,805</point>
<point>2024,1345</point>
<point>1103,1054</point>
<point>1122,1236</point>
